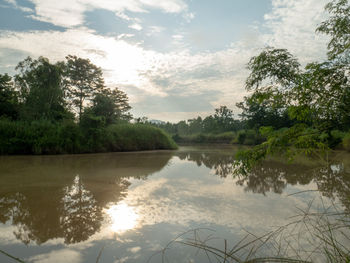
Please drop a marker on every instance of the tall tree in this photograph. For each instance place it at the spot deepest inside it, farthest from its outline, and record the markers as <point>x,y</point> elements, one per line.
<point>84,80</point>
<point>41,89</point>
<point>111,105</point>
<point>121,103</point>
<point>8,98</point>
<point>224,118</point>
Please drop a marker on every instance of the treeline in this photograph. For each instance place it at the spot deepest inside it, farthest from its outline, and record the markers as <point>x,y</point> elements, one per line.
<point>65,107</point>
<point>219,127</point>
<point>223,127</point>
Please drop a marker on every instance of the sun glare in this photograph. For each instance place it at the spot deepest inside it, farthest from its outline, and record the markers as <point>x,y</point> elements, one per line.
<point>123,217</point>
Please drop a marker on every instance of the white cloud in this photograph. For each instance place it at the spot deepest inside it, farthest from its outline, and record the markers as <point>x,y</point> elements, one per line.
<point>293,24</point>
<point>70,13</point>
<point>16,6</point>
<point>178,37</point>
<point>189,16</point>
<point>154,30</point>
<point>137,27</point>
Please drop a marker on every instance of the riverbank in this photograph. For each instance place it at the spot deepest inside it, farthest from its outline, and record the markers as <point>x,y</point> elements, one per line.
<point>337,141</point>
<point>44,137</point>
<point>243,137</point>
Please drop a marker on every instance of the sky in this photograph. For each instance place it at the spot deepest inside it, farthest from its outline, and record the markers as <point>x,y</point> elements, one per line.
<point>176,59</point>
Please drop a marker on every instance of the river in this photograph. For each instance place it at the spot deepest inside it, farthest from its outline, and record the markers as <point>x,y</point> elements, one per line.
<point>128,207</point>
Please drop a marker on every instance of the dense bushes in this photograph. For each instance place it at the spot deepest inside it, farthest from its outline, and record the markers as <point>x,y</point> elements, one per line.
<point>134,137</point>
<point>226,137</point>
<point>44,137</point>
<point>249,137</point>
<point>346,141</point>
<point>246,137</point>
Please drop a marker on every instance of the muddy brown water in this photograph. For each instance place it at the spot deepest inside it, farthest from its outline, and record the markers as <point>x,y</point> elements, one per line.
<point>127,207</point>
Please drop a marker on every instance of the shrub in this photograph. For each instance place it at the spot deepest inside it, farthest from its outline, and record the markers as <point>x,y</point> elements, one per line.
<point>346,141</point>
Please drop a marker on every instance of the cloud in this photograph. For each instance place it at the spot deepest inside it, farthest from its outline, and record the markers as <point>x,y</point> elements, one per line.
<point>122,62</point>
<point>150,77</point>
<point>292,25</point>
<point>137,27</point>
<point>70,13</point>
<point>154,30</point>
<point>14,4</point>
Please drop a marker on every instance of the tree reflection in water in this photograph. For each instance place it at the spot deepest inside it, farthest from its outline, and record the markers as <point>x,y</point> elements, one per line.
<point>65,197</point>
<point>53,197</point>
<point>332,179</point>
<point>81,216</point>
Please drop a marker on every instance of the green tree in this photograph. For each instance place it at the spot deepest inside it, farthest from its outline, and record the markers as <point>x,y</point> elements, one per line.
<point>224,119</point>
<point>182,128</point>
<point>111,105</point>
<point>209,124</point>
<point>84,80</point>
<point>41,89</point>
<point>8,98</point>
<point>338,27</point>
<point>121,104</point>
<point>260,110</point>
<point>195,125</point>
<point>316,97</point>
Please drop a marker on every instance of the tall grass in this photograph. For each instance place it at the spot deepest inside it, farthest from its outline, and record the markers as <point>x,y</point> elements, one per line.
<point>135,137</point>
<point>44,137</point>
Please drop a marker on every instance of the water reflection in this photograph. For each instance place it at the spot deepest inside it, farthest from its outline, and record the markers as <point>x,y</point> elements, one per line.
<point>81,216</point>
<point>64,196</point>
<point>220,162</point>
<point>123,217</point>
<point>332,178</point>
<point>68,197</point>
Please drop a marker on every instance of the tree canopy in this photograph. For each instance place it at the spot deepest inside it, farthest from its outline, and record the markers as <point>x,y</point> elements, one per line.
<point>315,101</point>
<point>84,80</point>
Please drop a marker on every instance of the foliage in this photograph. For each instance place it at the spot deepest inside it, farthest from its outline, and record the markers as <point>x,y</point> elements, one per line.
<point>346,141</point>
<point>8,98</point>
<point>277,66</point>
<point>84,80</point>
<point>137,137</point>
<point>274,75</point>
<point>44,137</point>
<point>316,99</point>
<point>226,137</point>
<point>38,137</point>
<point>259,110</point>
<point>111,105</point>
<point>220,122</point>
<point>40,89</point>
<point>338,27</point>
<point>36,117</point>
<point>249,137</point>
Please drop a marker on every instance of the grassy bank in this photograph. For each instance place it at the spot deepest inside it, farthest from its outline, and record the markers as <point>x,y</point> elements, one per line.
<point>243,137</point>
<point>44,137</point>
